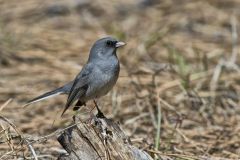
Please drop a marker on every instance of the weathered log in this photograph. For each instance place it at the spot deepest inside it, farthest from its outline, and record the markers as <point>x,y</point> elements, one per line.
<point>99,139</point>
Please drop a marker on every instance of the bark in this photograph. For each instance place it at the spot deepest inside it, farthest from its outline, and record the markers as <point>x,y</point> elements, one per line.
<point>99,139</point>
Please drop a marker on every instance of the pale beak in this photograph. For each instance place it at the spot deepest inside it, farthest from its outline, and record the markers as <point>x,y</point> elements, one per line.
<point>120,44</point>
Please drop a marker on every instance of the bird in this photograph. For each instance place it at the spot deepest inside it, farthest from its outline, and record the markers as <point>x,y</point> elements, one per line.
<point>96,79</point>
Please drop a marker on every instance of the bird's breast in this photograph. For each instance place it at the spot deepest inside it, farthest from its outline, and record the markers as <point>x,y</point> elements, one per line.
<point>105,78</point>
<point>109,78</point>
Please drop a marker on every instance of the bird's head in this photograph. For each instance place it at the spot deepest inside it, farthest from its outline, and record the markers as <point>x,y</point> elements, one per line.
<point>105,47</point>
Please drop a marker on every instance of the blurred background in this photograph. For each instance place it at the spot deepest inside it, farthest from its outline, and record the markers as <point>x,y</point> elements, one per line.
<point>178,95</point>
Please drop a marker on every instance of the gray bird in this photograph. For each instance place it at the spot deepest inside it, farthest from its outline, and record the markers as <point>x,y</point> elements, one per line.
<point>96,79</point>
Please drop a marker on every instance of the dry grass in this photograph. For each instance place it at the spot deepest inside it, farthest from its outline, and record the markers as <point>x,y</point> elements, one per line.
<point>180,66</point>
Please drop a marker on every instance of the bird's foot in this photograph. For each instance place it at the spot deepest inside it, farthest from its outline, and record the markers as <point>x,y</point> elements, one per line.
<point>100,114</point>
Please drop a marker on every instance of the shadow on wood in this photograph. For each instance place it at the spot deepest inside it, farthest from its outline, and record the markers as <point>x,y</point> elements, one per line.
<point>99,139</point>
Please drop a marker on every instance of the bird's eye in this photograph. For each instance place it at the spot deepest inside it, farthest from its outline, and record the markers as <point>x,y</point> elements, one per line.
<point>109,43</point>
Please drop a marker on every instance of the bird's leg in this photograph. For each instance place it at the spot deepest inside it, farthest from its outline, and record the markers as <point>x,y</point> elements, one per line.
<point>78,105</point>
<point>75,108</point>
<point>99,114</point>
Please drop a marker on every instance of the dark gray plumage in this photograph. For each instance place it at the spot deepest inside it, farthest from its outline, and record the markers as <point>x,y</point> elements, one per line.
<point>97,77</point>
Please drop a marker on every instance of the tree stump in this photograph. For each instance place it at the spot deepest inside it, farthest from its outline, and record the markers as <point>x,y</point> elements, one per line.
<point>98,139</point>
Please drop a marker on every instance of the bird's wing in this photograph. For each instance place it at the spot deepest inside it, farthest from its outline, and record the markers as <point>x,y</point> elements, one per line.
<point>80,85</point>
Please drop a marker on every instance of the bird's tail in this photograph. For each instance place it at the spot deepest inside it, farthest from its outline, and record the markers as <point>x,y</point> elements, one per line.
<point>61,90</point>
